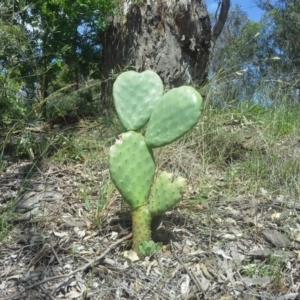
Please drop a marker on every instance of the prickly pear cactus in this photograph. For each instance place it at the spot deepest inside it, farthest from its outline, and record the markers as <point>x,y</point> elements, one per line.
<point>135,95</point>
<point>139,98</point>
<point>174,115</point>
<point>166,192</point>
<point>132,168</point>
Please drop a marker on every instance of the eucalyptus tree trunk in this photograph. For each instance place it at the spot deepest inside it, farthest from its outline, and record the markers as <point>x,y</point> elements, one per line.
<point>171,37</point>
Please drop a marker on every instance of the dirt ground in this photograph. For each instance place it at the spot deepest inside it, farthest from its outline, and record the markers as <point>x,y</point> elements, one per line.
<point>67,245</point>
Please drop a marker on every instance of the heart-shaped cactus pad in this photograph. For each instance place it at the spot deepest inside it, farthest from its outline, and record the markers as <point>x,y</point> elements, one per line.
<point>165,193</point>
<point>132,168</point>
<point>173,116</point>
<point>135,95</point>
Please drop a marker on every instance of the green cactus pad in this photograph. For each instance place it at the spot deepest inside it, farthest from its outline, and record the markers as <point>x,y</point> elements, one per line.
<point>132,168</point>
<point>165,193</point>
<point>174,115</point>
<point>135,95</point>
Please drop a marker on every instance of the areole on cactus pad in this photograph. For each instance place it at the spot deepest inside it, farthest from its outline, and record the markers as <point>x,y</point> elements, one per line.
<point>139,98</point>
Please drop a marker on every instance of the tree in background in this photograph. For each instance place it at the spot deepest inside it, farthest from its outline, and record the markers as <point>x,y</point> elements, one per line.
<point>282,28</point>
<point>60,44</point>
<point>173,38</point>
<point>14,46</point>
<point>236,57</point>
<point>258,58</point>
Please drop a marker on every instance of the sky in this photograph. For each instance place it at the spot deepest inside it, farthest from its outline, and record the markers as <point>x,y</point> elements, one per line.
<point>248,6</point>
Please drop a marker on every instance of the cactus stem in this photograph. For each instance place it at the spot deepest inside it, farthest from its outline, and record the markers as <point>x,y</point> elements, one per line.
<point>141,227</point>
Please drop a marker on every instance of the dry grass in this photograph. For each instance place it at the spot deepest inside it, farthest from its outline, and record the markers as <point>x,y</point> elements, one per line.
<point>242,165</point>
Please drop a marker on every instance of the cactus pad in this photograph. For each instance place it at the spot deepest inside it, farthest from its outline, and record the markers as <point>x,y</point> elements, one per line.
<point>174,115</point>
<point>165,193</point>
<point>132,168</point>
<point>135,95</point>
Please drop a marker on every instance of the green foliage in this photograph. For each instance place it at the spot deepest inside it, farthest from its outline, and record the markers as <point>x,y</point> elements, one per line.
<point>131,163</point>
<point>250,147</point>
<point>285,26</point>
<point>237,44</point>
<point>13,44</point>
<point>264,53</point>
<point>148,248</point>
<point>237,58</point>
<point>12,106</point>
<point>74,104</point>
<point>273,267</point>
<point>45,46</point>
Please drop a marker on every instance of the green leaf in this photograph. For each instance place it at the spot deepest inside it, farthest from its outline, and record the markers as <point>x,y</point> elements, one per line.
<point>149,247</point>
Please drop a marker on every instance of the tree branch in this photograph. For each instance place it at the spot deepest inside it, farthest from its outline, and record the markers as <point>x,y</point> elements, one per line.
<point>221,20</point>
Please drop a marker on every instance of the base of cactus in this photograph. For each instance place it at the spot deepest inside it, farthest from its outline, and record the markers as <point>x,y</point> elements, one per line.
<point>156,221</point>
<point>141,227</point>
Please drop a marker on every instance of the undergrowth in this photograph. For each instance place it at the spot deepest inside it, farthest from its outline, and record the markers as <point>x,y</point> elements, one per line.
<point>236,149</point>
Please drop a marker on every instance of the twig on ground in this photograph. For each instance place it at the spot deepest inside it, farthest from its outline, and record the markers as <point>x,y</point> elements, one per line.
<point>152,287</point>
<point>189,272</point>
<point>55,254</point>
<point>47,293</point>
<point>288,296</point>
<point>83,268</point>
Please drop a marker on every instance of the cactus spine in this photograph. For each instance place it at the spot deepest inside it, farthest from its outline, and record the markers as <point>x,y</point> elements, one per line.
<point>138,98</point>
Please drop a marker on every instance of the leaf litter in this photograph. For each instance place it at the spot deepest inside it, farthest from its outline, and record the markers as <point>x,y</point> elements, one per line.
<point>233,248</point>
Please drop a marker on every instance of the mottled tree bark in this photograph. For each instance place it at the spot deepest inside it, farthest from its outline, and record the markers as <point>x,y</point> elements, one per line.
<point>171,37</point>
